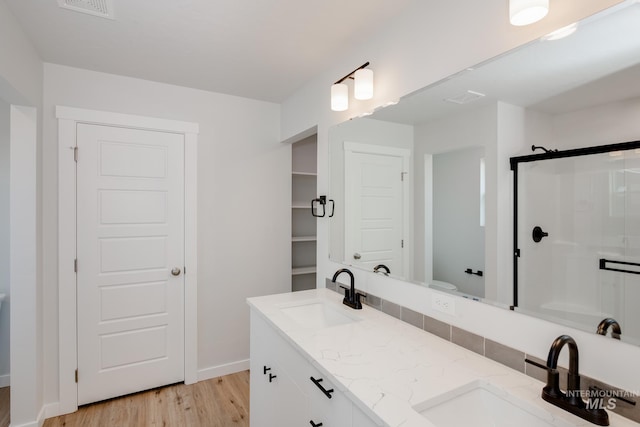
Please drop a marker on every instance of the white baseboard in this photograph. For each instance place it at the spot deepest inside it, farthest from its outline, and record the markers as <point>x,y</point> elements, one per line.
<point>5,380</point>
<point>39,422</point>
<point>29,424</point>
<point>221,370</point>
<point>44,411</point>
<point>51,410</point>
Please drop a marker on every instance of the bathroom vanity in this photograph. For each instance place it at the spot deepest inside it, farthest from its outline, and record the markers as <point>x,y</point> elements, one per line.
<point>315,361</point>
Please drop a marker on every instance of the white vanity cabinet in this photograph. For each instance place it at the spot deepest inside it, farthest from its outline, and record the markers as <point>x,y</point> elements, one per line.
<point>282,391</point>
<point>276,400</point>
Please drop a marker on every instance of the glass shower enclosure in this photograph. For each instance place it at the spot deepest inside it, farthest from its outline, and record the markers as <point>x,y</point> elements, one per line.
<point>577,237</point>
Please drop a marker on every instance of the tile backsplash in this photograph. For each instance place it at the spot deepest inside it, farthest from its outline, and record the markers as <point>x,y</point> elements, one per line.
<point>498,352</point>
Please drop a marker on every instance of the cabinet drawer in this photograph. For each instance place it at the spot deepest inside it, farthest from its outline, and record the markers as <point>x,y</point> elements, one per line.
<point>334,411</point>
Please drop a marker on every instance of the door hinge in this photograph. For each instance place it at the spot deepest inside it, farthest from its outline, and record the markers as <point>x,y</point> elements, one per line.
<point>184,270</point>
<point>402,243</point>
<point>76,375</point>
<point>75,265</point>
<point>402,174</point>
<point>75,154</point>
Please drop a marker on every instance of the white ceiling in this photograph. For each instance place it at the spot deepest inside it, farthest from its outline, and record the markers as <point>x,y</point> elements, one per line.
<point>599,63</point>
<point>252,48</point>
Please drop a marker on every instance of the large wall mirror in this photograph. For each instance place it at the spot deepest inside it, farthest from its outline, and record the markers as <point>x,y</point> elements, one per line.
<point>422,189</point>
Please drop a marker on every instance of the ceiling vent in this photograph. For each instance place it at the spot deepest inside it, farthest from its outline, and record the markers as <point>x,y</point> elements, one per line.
<point>466,97</point>
<point>101,8</point>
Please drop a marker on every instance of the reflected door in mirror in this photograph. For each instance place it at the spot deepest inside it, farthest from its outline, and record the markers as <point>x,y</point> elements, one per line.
<point>375,206</point>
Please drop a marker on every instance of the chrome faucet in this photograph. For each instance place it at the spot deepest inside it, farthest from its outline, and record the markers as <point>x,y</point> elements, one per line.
<point>351,297</point>
<point>570,401</point>
<point>607,323</point>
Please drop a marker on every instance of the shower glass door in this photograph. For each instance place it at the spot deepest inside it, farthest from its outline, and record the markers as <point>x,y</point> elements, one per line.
<point>578,238</point>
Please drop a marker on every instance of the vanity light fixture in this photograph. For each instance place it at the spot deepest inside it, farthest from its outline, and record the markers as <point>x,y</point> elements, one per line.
<point>363,88</point>
<point>363,84</point>
<point>339,97</point>
<point>525,12</point>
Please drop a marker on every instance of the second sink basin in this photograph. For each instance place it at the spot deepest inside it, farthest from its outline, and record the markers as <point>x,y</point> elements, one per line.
<point>481,404</point>
<point>316,315</point>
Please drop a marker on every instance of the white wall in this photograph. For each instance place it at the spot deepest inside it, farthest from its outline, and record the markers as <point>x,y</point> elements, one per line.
<point>20,65</point>
<point>243,202</point>
<point>602,124</point>
<point>422,46</point>
<point>27,357</point>
<point>4,242</point>
<point>21,85</point>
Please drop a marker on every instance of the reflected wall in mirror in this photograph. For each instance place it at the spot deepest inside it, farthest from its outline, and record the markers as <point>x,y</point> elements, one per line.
<point>578,91</point>
<point>405,206</point>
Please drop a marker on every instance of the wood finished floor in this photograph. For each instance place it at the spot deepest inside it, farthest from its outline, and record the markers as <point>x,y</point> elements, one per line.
<point>218,402</point>
<point>4,407</point>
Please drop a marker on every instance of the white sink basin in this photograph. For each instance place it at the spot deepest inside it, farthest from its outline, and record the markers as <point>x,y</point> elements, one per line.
<point>480,404</point>
<point>317,314</point>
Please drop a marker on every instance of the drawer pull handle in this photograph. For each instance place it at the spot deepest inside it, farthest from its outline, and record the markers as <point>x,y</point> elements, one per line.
<point>271,377</point>
<point>265,370</point>
<point>324,390</point>
<point>314,424</point>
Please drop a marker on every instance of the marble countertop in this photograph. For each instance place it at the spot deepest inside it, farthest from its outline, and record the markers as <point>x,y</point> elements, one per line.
<point>386,366</point>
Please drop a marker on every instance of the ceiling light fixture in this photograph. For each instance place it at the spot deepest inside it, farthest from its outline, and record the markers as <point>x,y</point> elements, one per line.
<point>525,12</point>
<point>363,88</point>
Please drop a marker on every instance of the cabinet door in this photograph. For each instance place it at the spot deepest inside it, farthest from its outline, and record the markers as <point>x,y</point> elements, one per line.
<point>261,363</point>
<point>276,400</point>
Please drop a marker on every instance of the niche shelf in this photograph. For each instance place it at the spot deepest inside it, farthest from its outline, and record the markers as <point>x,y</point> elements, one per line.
<point>304,184</point>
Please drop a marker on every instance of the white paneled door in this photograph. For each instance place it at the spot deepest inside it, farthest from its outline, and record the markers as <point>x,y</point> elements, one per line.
<point>375,207</point>
<point>130,252</point>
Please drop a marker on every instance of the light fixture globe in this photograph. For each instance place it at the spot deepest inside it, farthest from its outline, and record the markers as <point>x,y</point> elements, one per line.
<point>339,97</point>
<point>525,12</point>
<point>363,84</point>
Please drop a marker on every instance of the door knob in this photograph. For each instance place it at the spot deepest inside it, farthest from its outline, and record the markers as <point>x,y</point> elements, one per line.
<point>175,271</point>
<point>357,256</point>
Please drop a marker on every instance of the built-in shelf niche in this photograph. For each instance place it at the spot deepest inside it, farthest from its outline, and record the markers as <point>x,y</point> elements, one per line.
<point>304,184</point>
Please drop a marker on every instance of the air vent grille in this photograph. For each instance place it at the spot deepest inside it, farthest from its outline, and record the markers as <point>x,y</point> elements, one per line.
<point>466,97</point>
<point>101,8</point>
